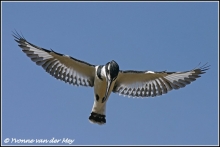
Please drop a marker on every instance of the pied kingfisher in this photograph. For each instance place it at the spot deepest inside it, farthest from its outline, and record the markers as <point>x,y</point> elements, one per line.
<point>106,78</point>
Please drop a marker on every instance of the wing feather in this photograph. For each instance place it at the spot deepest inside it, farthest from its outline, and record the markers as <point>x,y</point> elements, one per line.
<point>151,84</point>
<point>62,67</point>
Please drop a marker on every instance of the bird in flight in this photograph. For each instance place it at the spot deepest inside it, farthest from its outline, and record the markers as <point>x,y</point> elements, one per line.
<point>106,78</point>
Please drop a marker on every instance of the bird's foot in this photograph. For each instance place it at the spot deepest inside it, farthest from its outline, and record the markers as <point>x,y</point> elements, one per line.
<point>97,118</point>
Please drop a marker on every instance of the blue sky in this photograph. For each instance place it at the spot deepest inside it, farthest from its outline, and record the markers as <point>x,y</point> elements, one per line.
<point>172,36</point>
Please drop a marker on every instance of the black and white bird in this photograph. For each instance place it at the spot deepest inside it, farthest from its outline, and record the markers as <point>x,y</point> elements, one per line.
<point>106,78</point>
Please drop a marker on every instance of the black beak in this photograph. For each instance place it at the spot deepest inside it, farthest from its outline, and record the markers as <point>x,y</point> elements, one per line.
<point>109,82</point>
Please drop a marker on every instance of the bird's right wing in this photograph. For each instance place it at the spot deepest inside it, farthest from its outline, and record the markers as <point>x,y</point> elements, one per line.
<point>62,67</point>
<point>150,84</point>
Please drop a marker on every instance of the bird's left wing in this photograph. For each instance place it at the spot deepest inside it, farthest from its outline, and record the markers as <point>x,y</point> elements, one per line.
<point>62,67</point>
<point>150,84</point>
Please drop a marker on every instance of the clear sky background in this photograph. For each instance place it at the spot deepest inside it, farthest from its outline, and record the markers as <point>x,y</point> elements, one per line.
<point>172,36</point>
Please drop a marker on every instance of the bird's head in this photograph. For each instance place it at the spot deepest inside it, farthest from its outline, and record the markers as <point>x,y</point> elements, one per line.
<point>111,70</point>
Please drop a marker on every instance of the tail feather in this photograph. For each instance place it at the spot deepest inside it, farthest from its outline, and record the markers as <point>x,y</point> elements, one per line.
<point>97,118</point>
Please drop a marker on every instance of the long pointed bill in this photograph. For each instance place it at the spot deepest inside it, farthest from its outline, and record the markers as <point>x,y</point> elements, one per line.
<point>109,82</point>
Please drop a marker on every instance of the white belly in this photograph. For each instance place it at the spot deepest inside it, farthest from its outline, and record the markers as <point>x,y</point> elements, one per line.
<point>100,90</point>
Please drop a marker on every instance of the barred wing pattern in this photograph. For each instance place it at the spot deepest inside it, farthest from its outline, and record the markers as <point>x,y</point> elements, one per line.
<point>62,67</point>
<point>150,84</point>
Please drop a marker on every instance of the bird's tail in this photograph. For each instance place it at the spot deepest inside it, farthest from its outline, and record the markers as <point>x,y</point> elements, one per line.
<point>97,118</point>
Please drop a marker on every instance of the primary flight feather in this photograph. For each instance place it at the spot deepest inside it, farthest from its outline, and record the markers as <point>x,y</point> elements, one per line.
<point>106,78</point>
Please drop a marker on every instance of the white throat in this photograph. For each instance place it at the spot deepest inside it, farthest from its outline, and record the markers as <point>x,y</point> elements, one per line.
<point>103,73</point>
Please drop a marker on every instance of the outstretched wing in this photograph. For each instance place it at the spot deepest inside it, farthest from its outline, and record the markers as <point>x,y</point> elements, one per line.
<point>150,84</point>
<point>62,67</point>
